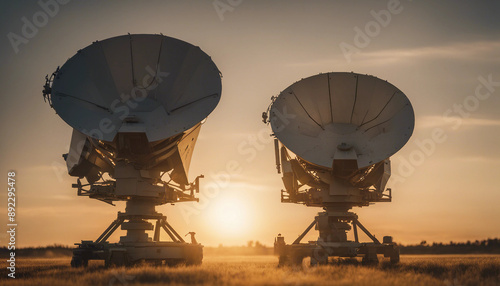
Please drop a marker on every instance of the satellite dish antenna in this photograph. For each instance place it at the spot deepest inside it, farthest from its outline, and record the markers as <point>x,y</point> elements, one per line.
<point>342,128</point>
<point>336,110</point>
<point>136,104</point>
<point>153,84</point>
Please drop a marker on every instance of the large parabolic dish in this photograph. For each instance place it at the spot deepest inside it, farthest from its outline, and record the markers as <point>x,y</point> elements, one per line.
<point>136,104</point>
<point>320,117</point>
<point>136,83</point>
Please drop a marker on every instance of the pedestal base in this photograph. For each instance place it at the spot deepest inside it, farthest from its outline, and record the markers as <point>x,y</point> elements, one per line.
<point>293,254</point>
<point>136,246</point>
<point>118,254</point>
<point>333,242</point>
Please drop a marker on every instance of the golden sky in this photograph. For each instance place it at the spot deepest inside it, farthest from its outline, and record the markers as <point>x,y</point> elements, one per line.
<point>444,56</point>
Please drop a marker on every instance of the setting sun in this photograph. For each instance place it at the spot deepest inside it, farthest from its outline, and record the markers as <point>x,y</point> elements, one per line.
<point>229,215</point>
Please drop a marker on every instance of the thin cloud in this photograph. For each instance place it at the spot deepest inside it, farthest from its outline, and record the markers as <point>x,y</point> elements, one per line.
<point>478,159</point>
<point>485,51</point>
<point>472,51</point>
<point>434,121</point>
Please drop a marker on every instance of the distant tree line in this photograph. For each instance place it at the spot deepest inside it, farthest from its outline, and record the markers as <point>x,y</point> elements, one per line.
<point>56,250</point>
<point>470,247</point>
<point>252,248</point>
<point>487,246</point>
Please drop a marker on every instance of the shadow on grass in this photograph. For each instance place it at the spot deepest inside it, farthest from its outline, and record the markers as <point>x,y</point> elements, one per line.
<point>461,272</point>
<point>458,271</point>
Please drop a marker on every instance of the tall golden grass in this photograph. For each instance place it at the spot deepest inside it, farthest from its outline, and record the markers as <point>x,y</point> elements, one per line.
<point>263,270</point>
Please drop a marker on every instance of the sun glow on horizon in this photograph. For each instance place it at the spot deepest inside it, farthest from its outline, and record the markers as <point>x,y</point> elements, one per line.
<point>229,216</point>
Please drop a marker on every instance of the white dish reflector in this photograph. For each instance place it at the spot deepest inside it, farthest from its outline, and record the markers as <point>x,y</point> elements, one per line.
<point>338,116</point>
<point>136,83</point>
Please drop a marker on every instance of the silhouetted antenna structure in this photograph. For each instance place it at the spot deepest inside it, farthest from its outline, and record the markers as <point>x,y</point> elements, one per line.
<point>136,104</point>
<point>341,159</point>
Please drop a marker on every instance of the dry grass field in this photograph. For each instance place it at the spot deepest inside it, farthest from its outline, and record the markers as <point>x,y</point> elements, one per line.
<point>263,270</point>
